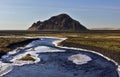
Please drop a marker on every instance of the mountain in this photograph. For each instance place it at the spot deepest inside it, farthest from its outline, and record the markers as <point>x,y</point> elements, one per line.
<point>62,22</point>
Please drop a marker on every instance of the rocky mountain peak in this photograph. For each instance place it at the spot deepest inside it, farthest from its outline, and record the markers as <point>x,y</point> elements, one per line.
<point>62,22</point>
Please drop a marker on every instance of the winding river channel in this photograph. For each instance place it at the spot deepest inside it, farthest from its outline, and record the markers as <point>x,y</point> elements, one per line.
<point>54,61</point>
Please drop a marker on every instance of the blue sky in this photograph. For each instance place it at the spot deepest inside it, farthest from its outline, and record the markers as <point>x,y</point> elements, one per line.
<point>20,14</point>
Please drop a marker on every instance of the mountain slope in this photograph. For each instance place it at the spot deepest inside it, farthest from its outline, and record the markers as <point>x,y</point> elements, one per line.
<point>62,22</point>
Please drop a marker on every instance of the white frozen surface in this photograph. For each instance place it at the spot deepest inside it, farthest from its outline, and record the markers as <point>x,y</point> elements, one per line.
<point>79,59</point>
<point>33,43</point>
<point>32,48</point>
<point>15,50</point>
<point>119,70</point>
<point>5,68</point>
<point>46,49</point>
<point>34,53</point>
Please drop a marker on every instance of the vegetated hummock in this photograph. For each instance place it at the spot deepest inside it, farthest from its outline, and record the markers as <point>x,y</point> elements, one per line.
<point>27,57</point>
<point>62,22</point>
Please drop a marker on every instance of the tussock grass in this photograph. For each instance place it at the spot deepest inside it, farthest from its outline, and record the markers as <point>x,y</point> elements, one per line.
<point>5,42</point>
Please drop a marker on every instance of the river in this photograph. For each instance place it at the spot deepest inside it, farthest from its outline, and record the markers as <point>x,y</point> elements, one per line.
<point>54,61</point>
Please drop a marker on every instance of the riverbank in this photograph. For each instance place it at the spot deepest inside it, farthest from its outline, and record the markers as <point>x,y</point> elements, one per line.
<point>59,42</point>
<point>109,47</point>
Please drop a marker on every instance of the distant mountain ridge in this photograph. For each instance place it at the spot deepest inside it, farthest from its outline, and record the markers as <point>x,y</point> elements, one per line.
<point>105,29</point>
<point>62,22</point>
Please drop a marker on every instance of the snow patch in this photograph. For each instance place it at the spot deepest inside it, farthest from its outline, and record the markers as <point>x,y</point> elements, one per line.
<point>58,41</point>
<point>15,50</point>
<point>79,59</point>
<point>119,70</point>
<point>5,68</point>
